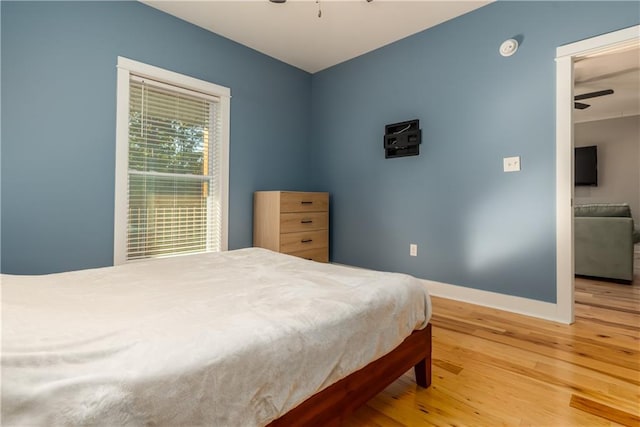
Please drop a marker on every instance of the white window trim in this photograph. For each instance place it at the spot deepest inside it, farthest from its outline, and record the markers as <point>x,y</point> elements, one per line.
<point>126,67</point>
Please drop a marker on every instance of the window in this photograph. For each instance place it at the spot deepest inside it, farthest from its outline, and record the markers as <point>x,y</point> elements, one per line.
<point>171,164</point>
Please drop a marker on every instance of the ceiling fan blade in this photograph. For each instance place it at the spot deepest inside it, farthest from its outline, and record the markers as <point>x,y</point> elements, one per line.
<point>593,94</point>
<point>580,105</point>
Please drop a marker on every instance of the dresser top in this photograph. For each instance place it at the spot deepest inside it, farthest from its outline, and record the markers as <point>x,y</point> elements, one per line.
<point>289,191</point>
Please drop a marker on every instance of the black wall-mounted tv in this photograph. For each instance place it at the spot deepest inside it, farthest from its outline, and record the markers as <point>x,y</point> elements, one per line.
<point>586,165</point>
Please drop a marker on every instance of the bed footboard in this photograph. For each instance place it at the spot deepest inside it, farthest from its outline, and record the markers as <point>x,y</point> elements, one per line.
<point>335,403</point>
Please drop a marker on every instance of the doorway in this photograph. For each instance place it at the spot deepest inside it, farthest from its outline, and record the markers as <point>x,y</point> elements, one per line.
<point>565,59</point>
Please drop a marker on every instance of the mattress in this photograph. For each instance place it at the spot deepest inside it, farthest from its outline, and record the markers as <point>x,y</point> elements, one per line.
<point>236,338</point>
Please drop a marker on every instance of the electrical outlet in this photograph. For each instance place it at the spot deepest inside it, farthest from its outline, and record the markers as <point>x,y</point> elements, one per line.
<point>511,164</point>
<point>413,249</point>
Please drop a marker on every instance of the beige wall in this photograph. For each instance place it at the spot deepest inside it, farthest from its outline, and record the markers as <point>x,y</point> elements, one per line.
<point>618,142</point>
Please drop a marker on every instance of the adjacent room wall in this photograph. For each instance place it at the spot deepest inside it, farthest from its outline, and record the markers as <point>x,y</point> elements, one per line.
<point>58,123</point>
<point>474,225</point>
<point>618,142</point>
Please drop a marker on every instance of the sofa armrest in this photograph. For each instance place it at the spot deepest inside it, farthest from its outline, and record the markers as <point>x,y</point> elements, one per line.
<point>604,247</point>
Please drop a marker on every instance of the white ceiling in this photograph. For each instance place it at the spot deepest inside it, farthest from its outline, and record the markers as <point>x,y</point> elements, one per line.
<point>618,70</point>
<point>293,33</point>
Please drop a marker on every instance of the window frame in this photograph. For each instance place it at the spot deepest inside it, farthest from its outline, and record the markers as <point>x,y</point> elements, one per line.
<point>125,68</point>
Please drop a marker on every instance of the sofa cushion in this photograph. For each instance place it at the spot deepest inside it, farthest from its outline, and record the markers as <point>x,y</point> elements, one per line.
<point>603,247</point>
<point>603,209</point>
<point>636,235</point>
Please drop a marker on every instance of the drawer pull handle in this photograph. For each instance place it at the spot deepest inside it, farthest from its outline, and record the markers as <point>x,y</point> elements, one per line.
<point>304,202</point>
<point>306,221</point>
<point>306,240</point>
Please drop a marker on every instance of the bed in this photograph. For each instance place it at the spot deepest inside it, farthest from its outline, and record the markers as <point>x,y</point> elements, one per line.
<point>247,337</point>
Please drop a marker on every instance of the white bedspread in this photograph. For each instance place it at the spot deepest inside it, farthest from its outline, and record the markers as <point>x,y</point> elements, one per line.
<point>231,339</point>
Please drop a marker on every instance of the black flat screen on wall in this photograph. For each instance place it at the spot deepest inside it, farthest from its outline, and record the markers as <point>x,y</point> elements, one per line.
<point>586,165</point>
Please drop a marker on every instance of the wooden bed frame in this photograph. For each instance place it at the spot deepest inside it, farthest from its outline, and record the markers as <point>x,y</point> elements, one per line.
<point>334,404</point>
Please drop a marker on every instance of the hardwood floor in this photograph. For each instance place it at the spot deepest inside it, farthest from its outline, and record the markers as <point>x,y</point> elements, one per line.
<point>495,368</point>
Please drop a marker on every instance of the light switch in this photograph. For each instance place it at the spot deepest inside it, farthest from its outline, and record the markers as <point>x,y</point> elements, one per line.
<point>413,249</point>
<point>511,164</point>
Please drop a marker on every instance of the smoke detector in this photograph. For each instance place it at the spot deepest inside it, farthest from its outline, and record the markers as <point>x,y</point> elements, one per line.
<point>508,47</point>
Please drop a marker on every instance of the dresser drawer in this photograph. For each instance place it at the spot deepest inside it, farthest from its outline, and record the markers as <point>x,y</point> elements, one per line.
<point>292,222</point>
<point>299,221</point>
<point>304,240</point>
<point>320,254</point>
<point>304,202</point>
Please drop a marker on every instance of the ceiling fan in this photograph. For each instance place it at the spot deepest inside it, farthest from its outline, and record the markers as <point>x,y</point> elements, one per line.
<point>581,105</point>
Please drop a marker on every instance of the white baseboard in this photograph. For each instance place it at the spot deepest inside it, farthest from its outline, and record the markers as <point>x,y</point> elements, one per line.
<point>526,306</point>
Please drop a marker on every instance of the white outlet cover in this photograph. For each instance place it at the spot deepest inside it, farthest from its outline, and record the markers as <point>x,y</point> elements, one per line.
<point>413,249</point>
<point>511,164</point>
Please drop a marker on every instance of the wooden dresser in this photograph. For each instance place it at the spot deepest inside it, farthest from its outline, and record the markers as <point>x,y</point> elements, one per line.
<point>292,222</point>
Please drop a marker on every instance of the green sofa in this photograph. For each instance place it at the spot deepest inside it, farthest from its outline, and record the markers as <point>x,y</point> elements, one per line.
<point>604,237</point>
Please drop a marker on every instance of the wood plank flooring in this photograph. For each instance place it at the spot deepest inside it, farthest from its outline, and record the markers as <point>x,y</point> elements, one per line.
<point>493,368</point>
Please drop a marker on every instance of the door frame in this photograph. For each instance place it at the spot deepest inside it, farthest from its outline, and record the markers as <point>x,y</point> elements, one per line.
<point>565,58</point>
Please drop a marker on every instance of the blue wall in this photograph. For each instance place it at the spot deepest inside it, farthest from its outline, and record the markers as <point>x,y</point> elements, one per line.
<point>58,123</point>
<point>475,225</point>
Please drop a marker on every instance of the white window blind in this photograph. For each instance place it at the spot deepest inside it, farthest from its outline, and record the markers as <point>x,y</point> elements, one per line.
<point>174,171</point>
